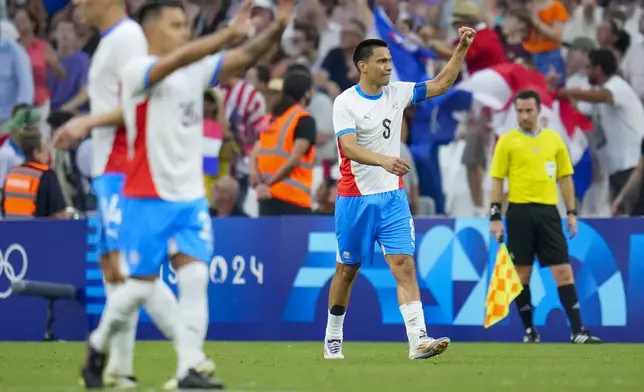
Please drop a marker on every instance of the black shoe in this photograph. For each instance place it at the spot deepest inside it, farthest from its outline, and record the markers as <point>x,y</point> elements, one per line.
<point>92,371</point>
<point>585,337</point>
<point>194,380</point>
<point>531,336</point>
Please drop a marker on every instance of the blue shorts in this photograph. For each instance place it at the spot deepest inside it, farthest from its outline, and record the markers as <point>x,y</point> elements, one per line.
<point>153,230</point>
<point>363,220</point>
<point>107,189</point>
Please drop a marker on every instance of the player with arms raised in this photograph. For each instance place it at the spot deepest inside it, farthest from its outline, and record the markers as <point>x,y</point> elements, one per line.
<point>372,206</point>
<point>121,40</point>
<point>165,211</point>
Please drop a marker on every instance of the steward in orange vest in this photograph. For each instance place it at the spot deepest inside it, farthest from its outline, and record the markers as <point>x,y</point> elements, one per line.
<point>32,189</point>
<point>284,156</point>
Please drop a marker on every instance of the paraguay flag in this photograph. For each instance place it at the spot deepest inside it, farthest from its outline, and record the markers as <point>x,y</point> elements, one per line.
<point>213,135</point>
<point>496,87</point>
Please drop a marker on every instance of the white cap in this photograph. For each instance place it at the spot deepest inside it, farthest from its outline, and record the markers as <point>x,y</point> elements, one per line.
<point>266,4</point>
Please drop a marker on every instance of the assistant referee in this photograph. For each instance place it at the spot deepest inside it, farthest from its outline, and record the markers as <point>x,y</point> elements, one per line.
<point>533,159</point>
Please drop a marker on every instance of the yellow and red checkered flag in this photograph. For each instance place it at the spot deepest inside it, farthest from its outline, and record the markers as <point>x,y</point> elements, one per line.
<point>505,286</point>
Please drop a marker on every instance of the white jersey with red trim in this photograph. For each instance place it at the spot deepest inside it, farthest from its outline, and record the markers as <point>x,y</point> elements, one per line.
<point>164,125</point>
<point>377,121</point>
<point>119,44</point>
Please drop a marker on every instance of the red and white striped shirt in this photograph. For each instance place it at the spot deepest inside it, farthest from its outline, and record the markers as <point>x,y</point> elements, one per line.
<point>245,109</point>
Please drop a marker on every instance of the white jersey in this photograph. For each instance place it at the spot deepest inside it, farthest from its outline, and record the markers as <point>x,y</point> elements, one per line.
<point>377,120</point>
<point>164,126</point>
<point>119,44</point>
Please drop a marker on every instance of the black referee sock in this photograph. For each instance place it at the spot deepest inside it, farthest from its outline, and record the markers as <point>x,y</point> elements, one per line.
<point>568,298</point>
<point>524,304</point>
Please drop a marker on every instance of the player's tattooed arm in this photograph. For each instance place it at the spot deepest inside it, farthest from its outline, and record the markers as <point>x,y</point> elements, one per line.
<point>200,48</point>
<point>446,78</point>
<point>249,53</point>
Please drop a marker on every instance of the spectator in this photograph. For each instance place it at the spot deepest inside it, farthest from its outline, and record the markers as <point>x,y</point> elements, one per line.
<point>325,197</point>
<point>32,189</point>
<point>584,21</point>
<point>305,43</point>
<point>225,193</point>
<point>70,94</point>
<point>544,43</point>
<point>319,13</point>
<point>620,116</point>
<point>11,154</point>
<point>88,37</point>
<point>321,108</point>
<point>42,57</point>
<point>262,14</point>
<point>338,66</point>
<point>486,50</point>
<point>611,37</point>
<point>73,184</point>
<point>576,63</point>
<point>633,64</point>
<point>632,11</point>
<point>282,172</point>
<point>259,77</point>
<point>245,108</point>
<point>16,79</point>
<point>515,31</point>
<point>211,17</point>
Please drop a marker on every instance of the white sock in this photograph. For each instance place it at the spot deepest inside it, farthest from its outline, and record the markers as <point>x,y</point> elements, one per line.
<point>118,313</point>
<point>193,308</point>
<point>414,317</point>
<point>334,327</point>
<point>121,359</point>
<point>163,309</point>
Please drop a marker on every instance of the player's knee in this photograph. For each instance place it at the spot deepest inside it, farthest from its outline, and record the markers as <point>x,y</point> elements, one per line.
<point>402,266</point>
<point>346,273</point>
<point>562,274</point>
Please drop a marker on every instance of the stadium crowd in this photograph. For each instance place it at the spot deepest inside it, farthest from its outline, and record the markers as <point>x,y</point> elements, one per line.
<point>46,49</point>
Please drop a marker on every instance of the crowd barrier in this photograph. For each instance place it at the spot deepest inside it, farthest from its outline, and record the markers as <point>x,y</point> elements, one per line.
<point>269,280</point>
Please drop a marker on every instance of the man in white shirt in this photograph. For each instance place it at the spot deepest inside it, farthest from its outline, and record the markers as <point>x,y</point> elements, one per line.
<point>372,205</point>
<point>619,119</point>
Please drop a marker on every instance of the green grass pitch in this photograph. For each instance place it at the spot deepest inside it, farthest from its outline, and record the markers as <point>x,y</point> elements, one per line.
<point>285,366</point>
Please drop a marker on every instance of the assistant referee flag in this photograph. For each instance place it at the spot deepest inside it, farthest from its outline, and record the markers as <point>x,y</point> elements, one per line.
<point>505,286</point>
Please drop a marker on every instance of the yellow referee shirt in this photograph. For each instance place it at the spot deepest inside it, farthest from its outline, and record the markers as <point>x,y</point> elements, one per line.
<point>532,163</point>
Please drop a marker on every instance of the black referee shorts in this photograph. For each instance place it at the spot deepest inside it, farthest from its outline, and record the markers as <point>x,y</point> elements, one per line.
<point>534,230</point>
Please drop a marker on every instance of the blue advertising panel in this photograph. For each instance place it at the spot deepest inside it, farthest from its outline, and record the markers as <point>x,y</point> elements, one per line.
<point>269,280</point>
<point>41,251</point>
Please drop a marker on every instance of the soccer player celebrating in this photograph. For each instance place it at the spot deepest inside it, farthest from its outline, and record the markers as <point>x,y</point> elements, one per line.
<point>121,39</point>
<point>372,205</point>
<point>165,211</point>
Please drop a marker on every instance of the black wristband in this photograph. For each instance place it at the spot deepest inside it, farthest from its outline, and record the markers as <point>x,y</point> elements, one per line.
<point>572,212</point>
<point>495,212</point>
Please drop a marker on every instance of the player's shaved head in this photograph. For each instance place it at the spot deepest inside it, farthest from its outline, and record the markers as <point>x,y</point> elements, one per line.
<point>151,10</point>
<point>365,49</point>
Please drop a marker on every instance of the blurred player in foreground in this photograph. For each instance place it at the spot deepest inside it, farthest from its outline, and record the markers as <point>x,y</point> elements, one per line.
<point>372,205</point>
<point>121,40</point>
<point>165,209</point>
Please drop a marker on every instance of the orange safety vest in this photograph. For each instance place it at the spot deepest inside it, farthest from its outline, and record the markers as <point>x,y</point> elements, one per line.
<point>20,190</point>
<point>275,148</point>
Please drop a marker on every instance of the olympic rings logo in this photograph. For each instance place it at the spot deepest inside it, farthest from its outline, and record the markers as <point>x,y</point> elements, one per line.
<point>8,269</point>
